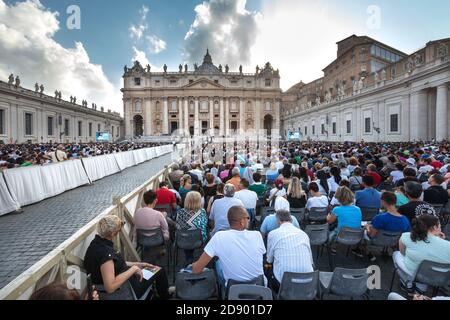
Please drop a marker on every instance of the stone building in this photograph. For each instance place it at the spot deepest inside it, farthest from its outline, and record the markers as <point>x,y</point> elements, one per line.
<point>33,116</point>
<point>209,100</point>
<point>373,92</point>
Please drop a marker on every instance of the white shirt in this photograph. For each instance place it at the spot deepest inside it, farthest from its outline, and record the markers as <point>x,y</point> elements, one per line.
<point>240,253</point>
<point>289,250</point>
<point>61,156</point>
<point>248,198</point>
<point>281,204</point>
<point>332,185</point>
<point>426,169</point>
<point>219,212</point>
<point>280,193</point>
<point>396,175</point>
<point>279,165</point>
<point>317,202</point>
<point>258,166</point>
<point>346,172</point>
<point>445,169</point>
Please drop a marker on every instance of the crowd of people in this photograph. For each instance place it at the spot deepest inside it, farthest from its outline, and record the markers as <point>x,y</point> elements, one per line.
<point>408,184</point>
<point>25,155</point>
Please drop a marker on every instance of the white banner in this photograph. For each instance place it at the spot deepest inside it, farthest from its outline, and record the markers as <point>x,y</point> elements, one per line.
<point>101,166</point>
<point>7,202</point>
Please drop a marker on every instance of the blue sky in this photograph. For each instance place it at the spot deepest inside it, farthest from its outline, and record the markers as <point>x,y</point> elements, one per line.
<point>297,36</point>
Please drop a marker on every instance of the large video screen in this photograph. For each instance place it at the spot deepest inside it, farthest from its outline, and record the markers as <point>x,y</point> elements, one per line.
<point>102,136</point>
<point>294,136</point>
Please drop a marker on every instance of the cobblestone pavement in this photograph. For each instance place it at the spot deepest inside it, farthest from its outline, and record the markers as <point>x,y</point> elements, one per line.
<point>26,238</point>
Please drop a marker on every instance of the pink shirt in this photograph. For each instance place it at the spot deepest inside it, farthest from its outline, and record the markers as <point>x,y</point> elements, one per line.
<point>147,218</point>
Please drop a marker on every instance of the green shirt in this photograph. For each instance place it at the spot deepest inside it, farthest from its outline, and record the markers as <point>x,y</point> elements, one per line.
<point>26,164</point>
<point>260,189</point>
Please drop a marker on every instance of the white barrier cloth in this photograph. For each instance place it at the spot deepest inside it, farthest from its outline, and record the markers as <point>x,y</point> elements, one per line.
<point>101,166</point>
<point>33,184</point>
<point>7,202</point>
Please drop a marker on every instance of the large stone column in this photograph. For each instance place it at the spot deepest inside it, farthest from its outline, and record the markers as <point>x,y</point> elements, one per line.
<point>227,116</point>
<point>442,113</point>
<point>128,120</point>
<point>257,113</point>
<point>148,116</point>
<point>211,116</point>
<point>241,117</point>
<point>277,115</point>
<point>418,115</point>
<point>186,117</point>
<point>221,118</point>
<point>180,114</point>
<point>165,126</point>
<point>196,119</point>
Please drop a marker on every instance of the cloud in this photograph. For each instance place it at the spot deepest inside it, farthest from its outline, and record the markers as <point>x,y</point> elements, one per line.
<point>137,31</point>
<point>142,58</point>
<point>156,45</point>
<point>299,37</point>
<point>28,49</point>
<point>143,12</point>
<point>226,28</point>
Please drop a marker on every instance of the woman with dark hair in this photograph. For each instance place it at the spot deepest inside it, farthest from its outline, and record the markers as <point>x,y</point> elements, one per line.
<point>57,291</point>
<point>426,241</point>
<point>322,182</point>
<point>219,195</point>
<point>335,180</point>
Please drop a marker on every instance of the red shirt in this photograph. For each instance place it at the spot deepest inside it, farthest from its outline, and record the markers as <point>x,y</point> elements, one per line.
<point>376,178</point>
<point>436,164</point>
<point>165,196</point>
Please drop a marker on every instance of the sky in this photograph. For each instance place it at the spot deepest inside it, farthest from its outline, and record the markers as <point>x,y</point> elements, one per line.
<point>48,42</point>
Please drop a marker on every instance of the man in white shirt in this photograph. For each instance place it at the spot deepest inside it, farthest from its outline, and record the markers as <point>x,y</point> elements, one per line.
<point>280,164</point>
<point>316,200</point>
<point>289,250</point>
<point>240,251</point>
<point>58,155</point>
<point>248,198</point>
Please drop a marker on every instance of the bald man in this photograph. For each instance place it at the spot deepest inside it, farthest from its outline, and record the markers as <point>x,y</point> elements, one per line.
<point>239,250</point>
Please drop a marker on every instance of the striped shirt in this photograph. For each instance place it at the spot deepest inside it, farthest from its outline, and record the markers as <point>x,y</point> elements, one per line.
<point>289,250</point>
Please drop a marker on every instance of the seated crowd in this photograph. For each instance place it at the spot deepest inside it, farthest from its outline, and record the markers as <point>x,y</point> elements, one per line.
<point>25,155</point>
<point>246,215</point>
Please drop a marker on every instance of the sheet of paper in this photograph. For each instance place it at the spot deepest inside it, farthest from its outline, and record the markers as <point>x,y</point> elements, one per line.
<point>147,274</point>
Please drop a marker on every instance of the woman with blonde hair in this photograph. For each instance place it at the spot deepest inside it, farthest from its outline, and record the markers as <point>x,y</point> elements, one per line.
<point>192,217</point>
<point>110,270</point>
<point>185,186</point>
<point>347,214</point>
<point>295,194</point>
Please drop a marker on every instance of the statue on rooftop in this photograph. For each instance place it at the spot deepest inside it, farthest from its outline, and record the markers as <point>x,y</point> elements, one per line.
<point>11,79</point>
<point>220,67</point>
<point>42,88</point>
<point>227,68</point>
<point>125,69</point>
<point>17,81</point>
<point>240,69</point>
<point>165,68</point>
<point>186,68</point>
<point>149,68</point>
<point>180,68</point>
<point>195,66</point>
<point>36,87</point>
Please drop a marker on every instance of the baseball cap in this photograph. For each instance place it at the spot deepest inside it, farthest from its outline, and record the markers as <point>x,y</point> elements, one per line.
<point>279,183</point>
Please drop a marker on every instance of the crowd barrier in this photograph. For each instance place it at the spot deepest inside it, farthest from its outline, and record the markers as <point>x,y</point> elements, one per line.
<point>33,184</point>
<point>7,202</point>
<point>100,167</point>
<point>65,263</point>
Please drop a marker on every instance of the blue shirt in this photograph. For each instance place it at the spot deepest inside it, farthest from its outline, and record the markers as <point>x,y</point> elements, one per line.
<point>368,198</point>
<point>348,216</point>
<point>272,175</point>
<point>389,222</point>
<point>270,223</point>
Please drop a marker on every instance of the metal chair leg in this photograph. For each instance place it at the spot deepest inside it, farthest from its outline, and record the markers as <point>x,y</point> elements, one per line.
<point>392,281</point>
